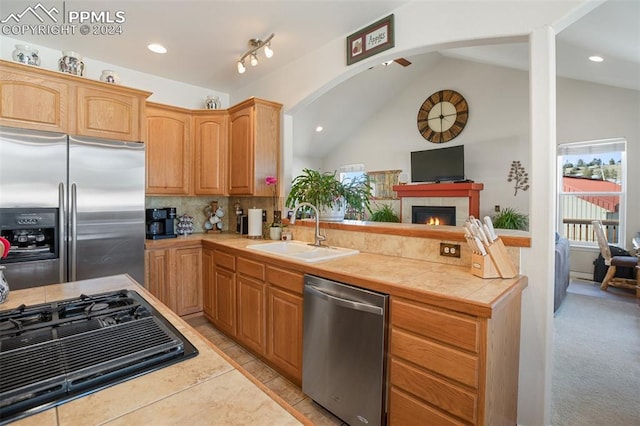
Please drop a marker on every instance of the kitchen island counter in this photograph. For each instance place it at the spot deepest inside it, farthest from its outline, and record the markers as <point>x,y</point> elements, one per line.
<point>207,389</point>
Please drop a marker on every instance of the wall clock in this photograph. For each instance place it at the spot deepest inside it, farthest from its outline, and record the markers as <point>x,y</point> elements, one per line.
<point>442,116</point>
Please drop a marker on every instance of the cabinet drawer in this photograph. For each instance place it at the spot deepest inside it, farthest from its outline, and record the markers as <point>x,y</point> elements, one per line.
<point>436,391</point>
<point>433,356</point>
<point>456,330</point>
<point>408,411</point>
<point>251,268</point>
<point>224,260</point>
<point>289,280</point>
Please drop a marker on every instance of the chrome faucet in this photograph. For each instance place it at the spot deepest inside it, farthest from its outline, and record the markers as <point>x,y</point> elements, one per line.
<point>319,238</point>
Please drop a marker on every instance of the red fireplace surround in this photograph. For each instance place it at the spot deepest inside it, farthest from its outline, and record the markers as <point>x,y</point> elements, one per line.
<point>470,190</point>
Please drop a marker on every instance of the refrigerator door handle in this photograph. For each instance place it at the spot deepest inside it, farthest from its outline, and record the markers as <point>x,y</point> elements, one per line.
<point>72,233</point>
<point>62,225</point>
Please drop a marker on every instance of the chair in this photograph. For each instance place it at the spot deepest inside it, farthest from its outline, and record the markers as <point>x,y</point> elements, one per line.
<point>613,261</point>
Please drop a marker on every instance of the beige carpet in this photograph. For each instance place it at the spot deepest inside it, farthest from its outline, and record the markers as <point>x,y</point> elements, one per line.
<point>596,372</point>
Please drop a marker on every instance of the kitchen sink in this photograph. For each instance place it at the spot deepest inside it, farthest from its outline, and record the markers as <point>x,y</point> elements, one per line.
<point>299,250</point>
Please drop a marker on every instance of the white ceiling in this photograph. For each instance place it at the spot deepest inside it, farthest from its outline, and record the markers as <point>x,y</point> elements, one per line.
<point>205,38</point>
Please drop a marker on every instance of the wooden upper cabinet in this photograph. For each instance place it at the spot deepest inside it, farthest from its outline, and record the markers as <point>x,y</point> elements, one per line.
<point>31,100</point>
<point>104,112</point>
<point>168,150</point>
<point>210,156</point>
<point>40,99</point>
<point>254,146</point>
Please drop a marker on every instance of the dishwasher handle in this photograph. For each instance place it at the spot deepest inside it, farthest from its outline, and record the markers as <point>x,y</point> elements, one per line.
<point>338,301</point>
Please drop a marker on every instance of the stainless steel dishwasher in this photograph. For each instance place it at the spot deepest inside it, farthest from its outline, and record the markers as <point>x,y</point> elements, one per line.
<point>344,350</point>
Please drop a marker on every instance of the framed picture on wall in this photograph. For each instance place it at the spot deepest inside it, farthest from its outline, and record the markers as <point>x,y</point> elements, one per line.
<point>371,40</point>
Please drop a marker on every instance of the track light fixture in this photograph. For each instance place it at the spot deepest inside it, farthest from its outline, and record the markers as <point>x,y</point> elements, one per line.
<point>255,44</point>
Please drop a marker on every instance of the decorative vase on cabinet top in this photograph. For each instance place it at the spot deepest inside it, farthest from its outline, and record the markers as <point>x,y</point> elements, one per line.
<point>26,54</point>
<point>110,76</point>
<point>71,62</point>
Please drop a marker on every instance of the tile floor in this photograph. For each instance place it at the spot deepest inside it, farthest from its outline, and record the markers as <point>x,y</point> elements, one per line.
<point>288,391</point>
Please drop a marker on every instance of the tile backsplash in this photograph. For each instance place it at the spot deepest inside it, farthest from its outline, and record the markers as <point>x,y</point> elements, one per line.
<point>195,207</point>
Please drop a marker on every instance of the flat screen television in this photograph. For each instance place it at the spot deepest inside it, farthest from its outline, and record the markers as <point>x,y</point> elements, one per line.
<point>438,165</point>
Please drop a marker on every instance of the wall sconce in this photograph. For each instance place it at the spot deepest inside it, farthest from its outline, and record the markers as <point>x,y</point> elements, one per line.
<point>255,44</point>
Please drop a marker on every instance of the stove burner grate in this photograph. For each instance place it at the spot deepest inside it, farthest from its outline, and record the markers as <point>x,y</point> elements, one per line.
<point>55,352</point>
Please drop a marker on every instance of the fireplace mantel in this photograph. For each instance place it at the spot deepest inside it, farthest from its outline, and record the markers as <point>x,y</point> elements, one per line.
<point>470,190</point>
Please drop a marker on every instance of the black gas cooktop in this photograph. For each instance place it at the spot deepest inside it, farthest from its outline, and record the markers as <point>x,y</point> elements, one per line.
<point>54,352</point>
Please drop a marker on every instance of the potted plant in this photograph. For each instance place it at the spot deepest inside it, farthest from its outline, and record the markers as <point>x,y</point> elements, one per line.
<point>329,195</point>
<point>510,218</point>
<point>384,213</point>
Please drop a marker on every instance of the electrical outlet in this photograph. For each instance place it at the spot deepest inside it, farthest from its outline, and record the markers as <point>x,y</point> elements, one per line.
<point>496,208</point>
<point>449,250</point>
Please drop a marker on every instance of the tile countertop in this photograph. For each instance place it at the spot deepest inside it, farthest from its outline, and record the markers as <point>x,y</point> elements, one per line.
<point>448,286</point>
<point>209,388</point>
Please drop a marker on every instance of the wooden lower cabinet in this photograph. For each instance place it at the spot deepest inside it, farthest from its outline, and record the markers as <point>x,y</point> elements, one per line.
<point>175,277</point>
<point>207,277</point>
<point>450,368</point>
<point>257,304</point>
<point>285,332</point>
<point>251,305</point>
<point>157,279</point>
<point>223,292</point>
<point>187,279</point>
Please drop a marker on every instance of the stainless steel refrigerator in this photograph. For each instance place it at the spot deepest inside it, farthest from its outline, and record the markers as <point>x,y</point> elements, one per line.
<point>72,207</point>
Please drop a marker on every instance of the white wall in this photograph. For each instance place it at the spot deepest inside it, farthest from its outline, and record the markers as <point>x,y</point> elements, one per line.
<point>164,91</point>
<point>496,133</point>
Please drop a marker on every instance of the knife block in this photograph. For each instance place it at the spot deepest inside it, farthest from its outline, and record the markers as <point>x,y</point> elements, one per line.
<point>483,267</point>
<point>503,264</point>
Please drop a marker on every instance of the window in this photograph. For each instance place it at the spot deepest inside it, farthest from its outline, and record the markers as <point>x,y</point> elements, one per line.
<point>591,186</point>
<point>352,173</point>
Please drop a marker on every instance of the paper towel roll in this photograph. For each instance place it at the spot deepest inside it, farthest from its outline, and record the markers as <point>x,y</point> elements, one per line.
<point>255,223</point>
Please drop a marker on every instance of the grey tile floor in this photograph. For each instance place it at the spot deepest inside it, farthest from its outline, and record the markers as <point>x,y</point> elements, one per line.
<point>288,391</point>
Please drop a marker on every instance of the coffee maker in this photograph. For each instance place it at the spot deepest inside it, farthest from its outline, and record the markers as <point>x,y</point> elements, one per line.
<point>160,223</point>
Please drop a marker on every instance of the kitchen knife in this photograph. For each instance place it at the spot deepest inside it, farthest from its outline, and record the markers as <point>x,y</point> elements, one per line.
<point>489,223</point>
<point>472,244</point>
<point>487,232</point>
<point>480,246</point>
<point>468,227</point>
<point>480,234</point>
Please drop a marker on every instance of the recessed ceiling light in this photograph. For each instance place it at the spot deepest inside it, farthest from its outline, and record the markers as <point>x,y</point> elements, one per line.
<point>319,129</point>
<point>596,58</point>
<point>157,48</point>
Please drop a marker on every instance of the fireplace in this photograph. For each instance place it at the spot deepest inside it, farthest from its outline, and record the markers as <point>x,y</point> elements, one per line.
<point>433,215</point>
